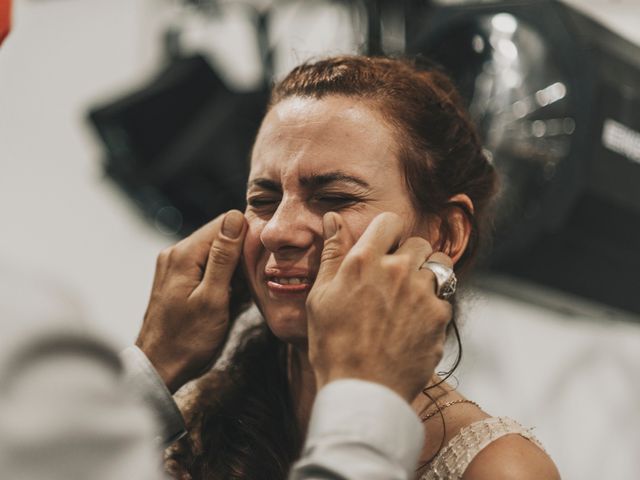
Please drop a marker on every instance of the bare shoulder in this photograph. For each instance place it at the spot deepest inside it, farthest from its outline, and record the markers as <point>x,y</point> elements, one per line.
<point>511,457</point>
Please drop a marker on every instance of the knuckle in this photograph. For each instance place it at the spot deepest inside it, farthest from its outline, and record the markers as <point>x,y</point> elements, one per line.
<point>420,294</point>
<point>310,302</point>
<point>209,307</point>
<point>165,255</point>
<point>222,253</point>
<point>331,251</point>
<point>423,244</point>
<point>442,313</point>
<point>416,242</point>
<point>438,350</point>
<point>405,262</point>
<point>392,218</point>
<point>398,266</point>
<point>361,256</point>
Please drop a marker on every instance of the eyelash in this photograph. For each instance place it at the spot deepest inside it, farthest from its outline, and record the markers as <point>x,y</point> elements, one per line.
<point>335,200</point>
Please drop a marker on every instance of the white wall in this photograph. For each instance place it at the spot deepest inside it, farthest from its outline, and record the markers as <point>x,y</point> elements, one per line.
<point>60,218</point>
<point>575,378</point>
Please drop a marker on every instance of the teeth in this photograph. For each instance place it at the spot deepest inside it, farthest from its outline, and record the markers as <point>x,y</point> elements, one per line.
<point>290,280</point>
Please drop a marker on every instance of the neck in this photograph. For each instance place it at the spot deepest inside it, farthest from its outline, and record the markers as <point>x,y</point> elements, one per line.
<point>303,385</point>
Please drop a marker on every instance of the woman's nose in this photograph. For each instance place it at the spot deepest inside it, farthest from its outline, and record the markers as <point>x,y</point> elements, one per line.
<point>292,226</point>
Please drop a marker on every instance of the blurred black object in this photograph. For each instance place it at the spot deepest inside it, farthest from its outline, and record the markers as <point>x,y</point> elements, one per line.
<point>180,146</point>
<point>557,99</point>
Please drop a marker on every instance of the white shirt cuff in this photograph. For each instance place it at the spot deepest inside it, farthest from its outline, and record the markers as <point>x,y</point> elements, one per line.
<point>360,429</point>
<point>142,378</point>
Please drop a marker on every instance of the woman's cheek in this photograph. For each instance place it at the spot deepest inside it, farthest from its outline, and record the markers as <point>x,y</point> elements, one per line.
<point>357,222</point>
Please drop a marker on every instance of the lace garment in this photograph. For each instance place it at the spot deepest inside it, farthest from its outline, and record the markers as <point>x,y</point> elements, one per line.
<point>456,456</point>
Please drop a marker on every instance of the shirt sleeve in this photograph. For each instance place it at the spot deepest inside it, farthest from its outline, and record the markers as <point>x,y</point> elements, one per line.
<point>360,430</point>
<point>64,413</point>
<point>143,379</point>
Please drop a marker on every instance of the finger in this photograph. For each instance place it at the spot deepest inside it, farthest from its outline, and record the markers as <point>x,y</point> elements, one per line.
<point>442,258</point>
<point>225,250</point>
<point>338,242</point>
<point>194,250</point>
<point>381,236</point>
<point>417,248</point>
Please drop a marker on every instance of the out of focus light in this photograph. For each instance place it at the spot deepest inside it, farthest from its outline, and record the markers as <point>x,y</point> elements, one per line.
<point>505,23</point>
<point>551,94</point>
<point>168,220</point>
<point>520,97</point>
<point>478,44</point>
<point>537,76</point>
<point>508,49</point>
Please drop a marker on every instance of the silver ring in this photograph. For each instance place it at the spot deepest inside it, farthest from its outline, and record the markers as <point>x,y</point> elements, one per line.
<point>446,280</point>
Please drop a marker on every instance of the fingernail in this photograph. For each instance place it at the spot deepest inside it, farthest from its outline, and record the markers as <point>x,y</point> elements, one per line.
<point>329,225</point>
<point>232,224</point>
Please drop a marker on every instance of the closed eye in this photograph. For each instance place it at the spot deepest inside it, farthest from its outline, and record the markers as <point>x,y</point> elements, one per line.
<point>328,202</point>
<point>258,202</point>
<point>336,201</point>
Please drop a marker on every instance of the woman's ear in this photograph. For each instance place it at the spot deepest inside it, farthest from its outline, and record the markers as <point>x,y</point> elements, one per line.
<point>457,226</point>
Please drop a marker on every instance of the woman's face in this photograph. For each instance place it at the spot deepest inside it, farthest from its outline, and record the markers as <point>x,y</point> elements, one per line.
<point>310,157</point>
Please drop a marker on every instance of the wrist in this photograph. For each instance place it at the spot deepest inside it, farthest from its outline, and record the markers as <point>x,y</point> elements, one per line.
<point>171,372</point>
<point>171,376</point>
<point>407,392</point>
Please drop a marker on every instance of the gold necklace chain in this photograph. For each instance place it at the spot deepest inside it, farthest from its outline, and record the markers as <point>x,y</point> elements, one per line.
<point>447,405</point>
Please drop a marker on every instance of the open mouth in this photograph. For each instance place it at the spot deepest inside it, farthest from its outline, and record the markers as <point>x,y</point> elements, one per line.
<point>289,285</point>
<point>290,280</point>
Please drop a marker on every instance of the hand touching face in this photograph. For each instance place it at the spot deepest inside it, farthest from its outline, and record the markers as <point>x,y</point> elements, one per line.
<point>373,312</point>
<point>311,157</point>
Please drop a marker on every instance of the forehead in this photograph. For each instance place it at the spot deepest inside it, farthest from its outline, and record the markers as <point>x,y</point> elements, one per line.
<point>304,136</point>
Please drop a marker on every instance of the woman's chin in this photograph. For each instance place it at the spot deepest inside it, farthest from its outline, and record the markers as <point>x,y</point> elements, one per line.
<point>289,325</point>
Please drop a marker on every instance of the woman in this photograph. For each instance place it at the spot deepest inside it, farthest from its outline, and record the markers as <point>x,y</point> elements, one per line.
<point>358,136</point>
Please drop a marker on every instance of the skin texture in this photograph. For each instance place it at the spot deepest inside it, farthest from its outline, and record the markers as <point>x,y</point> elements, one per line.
<point>511,458</point>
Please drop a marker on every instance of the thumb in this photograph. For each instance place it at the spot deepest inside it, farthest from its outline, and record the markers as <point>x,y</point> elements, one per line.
<point>225,250</point>
<point>337,243</point>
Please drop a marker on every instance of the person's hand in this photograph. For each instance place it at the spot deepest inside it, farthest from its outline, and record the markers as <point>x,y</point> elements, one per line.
<point>372,314</point>
<point>187,319</point>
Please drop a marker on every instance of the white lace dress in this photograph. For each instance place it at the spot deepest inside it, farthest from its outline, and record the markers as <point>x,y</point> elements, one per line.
<point>456,456</point>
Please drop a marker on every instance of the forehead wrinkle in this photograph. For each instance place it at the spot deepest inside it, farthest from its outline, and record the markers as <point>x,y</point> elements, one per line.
<point>282,163</point>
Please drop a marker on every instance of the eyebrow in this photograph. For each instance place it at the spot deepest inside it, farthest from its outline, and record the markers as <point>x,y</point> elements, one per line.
<point>311,182</point>
<point>265,183</point>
